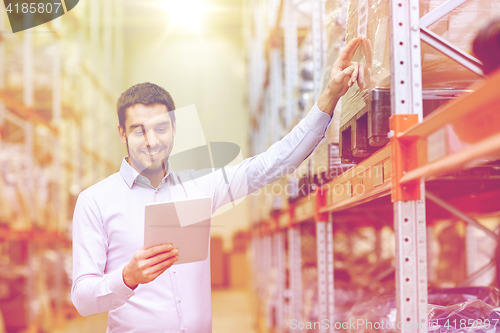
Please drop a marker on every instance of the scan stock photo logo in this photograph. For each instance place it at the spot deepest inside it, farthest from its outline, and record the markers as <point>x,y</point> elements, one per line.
<point>25,14</point>
<point>192,157</point>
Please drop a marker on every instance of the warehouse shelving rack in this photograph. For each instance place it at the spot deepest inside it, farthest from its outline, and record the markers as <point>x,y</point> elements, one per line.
<point>81,86</point>
<point>281,24</point>
<point>460,135</point>
<point>274,72</point>
<point>392,171</point>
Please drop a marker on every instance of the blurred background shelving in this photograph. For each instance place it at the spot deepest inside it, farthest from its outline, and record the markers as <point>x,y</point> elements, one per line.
<point>57,82</point>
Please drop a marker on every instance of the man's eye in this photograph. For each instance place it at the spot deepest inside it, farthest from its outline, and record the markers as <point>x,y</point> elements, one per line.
<point>138,131</point>
<point>162,129</point>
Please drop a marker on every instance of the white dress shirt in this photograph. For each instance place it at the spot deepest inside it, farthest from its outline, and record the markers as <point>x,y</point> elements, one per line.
<point>108,228</point>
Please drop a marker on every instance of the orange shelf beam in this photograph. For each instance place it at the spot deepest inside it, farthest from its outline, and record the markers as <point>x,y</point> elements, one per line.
<point>463,133</point>
<point>304,209</point>
<point>280,219</point>
<point>366,181</point>
<point>9,234</point>
<point>24,111</point>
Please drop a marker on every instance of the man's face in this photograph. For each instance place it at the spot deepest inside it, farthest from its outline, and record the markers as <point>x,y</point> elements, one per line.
<point>149,136</point>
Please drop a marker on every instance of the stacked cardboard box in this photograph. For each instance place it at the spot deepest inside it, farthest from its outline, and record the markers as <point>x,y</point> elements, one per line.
<point>364,123</point>
<point>438,71</point>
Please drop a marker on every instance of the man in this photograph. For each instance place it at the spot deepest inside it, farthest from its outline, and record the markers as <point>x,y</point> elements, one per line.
<point>139,287</point>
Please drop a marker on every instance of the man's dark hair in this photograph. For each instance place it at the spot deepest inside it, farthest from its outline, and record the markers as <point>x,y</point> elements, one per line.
<point>147,94</point>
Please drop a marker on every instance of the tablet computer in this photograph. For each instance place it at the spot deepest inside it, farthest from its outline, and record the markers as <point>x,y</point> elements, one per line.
<point>183,223</point>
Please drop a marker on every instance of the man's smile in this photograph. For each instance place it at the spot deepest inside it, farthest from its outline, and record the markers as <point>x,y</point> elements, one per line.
<point>153,152</point>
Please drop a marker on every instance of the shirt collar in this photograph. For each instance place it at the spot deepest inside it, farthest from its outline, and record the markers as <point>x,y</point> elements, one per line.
<point>130,175</point>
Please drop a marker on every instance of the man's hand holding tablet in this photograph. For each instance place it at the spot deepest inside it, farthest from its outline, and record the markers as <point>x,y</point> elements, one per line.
<point>147,264</point>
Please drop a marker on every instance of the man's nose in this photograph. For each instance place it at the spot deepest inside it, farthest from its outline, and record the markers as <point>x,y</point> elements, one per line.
<point>151,139</point>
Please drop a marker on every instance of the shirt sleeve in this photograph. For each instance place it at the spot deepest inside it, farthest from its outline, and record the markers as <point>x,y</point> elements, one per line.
<point>283,157</point>
<point>93,291</point>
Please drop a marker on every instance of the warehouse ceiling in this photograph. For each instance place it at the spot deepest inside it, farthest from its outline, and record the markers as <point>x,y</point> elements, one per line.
<point>175,18</point>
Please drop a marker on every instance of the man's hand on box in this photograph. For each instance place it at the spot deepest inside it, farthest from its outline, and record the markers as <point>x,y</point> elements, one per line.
<point>343,75</point>
<point>344,72</point>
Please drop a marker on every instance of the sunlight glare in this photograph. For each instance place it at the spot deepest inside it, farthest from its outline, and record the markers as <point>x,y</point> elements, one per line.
<point>187,15</point>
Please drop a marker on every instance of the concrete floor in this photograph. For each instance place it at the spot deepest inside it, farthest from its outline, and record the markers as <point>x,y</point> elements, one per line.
<point>232,311</point>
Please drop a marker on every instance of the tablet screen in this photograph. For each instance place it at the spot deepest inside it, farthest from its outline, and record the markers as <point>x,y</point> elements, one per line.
<point>184,223</point>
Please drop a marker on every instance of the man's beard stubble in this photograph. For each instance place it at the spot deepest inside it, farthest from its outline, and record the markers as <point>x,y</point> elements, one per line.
<point>151,169</point>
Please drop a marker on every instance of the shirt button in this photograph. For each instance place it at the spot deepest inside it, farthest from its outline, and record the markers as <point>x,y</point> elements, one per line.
<point>183,328</point>
<point>129,295</point>
<point>179,300</point>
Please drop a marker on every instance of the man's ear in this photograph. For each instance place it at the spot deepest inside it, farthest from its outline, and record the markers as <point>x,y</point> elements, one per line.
<point>174,128</point>
<point>123,135</point>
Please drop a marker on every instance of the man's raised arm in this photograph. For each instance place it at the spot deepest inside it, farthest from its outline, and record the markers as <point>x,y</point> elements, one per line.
<point>284,156</point>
